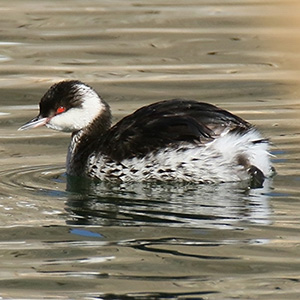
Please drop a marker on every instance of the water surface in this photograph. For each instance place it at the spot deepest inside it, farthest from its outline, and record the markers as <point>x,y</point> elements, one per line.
<point>148,241</point>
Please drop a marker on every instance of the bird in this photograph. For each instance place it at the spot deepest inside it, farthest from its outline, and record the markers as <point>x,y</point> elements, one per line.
<point>176,140</point>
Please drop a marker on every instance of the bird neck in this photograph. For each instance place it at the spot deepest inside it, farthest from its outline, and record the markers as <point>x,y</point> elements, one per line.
<point>85,141</point>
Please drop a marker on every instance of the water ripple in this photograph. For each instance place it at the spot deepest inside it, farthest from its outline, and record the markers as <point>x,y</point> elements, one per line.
<point>39,179</point>
<point>32,195</point>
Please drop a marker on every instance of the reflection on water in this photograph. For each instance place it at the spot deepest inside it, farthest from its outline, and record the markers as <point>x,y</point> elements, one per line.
<point>148,241</point>
<point>167,204</point>
<point>39,191</point>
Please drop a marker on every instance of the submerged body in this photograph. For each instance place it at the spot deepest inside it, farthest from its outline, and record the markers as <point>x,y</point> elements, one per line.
<point>180,140</point>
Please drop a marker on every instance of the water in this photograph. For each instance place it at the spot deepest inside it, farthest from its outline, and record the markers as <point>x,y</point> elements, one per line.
<point>148,241</point>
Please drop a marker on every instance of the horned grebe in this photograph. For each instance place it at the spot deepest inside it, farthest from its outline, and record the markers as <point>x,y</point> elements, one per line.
<point>179,140</point>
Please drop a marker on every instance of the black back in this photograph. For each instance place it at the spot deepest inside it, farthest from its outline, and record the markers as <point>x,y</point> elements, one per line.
<point>165,124</point>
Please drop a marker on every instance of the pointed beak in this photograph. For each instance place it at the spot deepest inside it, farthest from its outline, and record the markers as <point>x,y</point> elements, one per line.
<point>34,123</point>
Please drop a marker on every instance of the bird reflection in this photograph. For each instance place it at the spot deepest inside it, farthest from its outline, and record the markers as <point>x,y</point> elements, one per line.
<point>166,204</point>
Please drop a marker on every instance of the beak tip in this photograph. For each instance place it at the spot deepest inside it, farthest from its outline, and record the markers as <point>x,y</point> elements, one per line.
<point>22,128</point>
<point>36,122</point>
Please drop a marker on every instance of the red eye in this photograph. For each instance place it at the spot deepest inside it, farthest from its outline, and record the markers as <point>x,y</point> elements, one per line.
<point>60,110</point>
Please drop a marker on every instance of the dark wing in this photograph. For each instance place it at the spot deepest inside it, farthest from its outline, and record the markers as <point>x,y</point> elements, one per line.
<point>167,123</point>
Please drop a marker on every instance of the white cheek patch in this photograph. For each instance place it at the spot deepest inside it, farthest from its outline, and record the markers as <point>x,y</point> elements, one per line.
<point>77,118</point>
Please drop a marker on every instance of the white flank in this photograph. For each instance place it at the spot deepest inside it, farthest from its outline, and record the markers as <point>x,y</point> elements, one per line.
<point>214,162</point>
<point>233,145</point>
